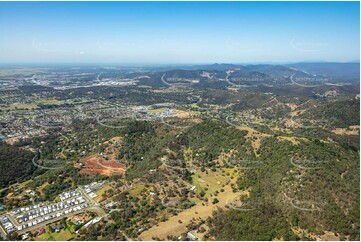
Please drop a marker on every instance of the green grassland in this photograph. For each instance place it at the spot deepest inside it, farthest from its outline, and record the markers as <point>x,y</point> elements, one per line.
<point>156,110</point>
<point>33,105</point>
<point>136,190</point>
<point>12,72</point>
<point>62,235</point>
<point>100,193</point>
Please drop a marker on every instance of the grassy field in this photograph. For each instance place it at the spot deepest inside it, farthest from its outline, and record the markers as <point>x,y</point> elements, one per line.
<point>48,102</point>
<point>145,86</point>
<point>214,181</point>
<point>62,235</point>
<point>136,190</point>
<point>173,227</point>
<point>194,105</point>
<point>33,105</point>
<point>24,184</point>
<point>40,188</point>
<point>22,106</point>
<point>10,72</point>
<point>100,192</point>
<point>159,110</point>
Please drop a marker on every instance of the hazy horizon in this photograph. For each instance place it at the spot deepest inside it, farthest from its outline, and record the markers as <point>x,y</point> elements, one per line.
<point>98,64</point>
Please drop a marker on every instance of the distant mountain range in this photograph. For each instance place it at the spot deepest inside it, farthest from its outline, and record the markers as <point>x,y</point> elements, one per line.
<point>347,71</point>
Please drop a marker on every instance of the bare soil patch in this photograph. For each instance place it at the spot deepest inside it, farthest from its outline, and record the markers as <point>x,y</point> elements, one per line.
<point>95,165</point>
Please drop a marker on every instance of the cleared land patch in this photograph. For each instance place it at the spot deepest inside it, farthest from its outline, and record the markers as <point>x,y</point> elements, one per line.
<point>95,165</point>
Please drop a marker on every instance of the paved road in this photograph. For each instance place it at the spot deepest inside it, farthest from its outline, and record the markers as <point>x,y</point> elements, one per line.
<point>228,81</point>
<point>88,198</point>
<point>302,85</point>
<point>93,204</point>
<point>98,77</point>
<point>13,220</point>
<point>2,232</point>
<point>165,81</point>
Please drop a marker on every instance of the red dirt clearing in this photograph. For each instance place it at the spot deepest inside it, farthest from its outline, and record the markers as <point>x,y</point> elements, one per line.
<point>95,165</point>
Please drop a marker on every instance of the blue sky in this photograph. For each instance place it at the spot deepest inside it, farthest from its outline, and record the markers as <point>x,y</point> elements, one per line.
<point>179,32</point>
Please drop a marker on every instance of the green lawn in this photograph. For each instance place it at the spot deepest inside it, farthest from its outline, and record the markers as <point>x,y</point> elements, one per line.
<point>159,110</point>
<point>33,105</point>
<point>136,190</point>
<point>48,102</point>
<point>100,193</point>
<point>9,72</point>
<point>62,235</point>
<point>213,181</point>
<point>194,105</point>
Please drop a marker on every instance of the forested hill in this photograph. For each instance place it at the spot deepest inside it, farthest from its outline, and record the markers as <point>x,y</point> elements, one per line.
<point>15,164</point>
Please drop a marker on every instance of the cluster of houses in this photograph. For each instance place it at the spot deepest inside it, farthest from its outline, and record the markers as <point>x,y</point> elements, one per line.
<point>27,217</point>
<point>91,193</point>
<point>89,189</point>
<point>50,212</point>
<point>70,194</point>
<point>8,225</point>
<point>18,127</point>
<point>138,112</point>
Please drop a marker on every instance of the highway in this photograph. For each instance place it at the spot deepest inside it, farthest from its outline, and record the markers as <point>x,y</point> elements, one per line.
<point>301,85</point>
<point>228,81</point>
<point>165,81</point>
